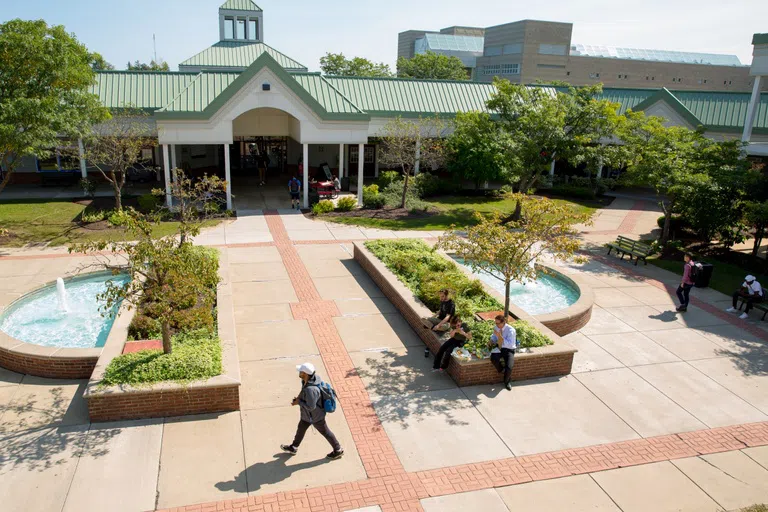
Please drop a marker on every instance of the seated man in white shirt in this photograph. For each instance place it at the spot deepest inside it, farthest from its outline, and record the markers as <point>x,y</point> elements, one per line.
<point>504,341</point>
<point>750,292</point>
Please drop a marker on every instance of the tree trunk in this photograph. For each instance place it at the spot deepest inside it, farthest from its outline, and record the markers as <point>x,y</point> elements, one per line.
<point>758,241</point>
<point>6,180</point>
<point>5,165</point>
<point>667,208</point>
<point>405,189</point>
<point>506,298</point>
<point>167,349</point>
<point>118,196</point>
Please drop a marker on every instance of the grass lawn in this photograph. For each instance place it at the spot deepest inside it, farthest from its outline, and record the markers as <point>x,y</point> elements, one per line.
<point>458,210</point>
<point>726,277</point>
<point>56,223</point>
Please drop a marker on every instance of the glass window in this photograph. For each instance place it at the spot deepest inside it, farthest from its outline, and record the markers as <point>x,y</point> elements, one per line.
<point>493,69</point>
<point>510,69</point>
<point>229,28</point>
<point>240,28</point>
<point>253,30</point>
<point>510,49</point>
<point>552,49</point>
<point>49,164</point>
<point>492,51</point>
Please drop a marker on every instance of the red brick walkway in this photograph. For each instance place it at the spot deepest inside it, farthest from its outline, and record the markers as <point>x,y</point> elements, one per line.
<point>390,486</point>
<point>629,223</point>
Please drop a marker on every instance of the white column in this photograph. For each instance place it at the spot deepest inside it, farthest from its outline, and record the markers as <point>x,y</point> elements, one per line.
<point>552,168</point>
<point>228,176</point>
<point>83,166</point>
<point>305,178</point>
<point>752,110</point>
<point>167,170</point>
<point>360,171</point>
<point>173,157</point>
<point>417,165</point>
<point>341,161</point>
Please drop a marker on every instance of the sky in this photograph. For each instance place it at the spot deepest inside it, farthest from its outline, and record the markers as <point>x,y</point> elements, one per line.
<point>305,30</point>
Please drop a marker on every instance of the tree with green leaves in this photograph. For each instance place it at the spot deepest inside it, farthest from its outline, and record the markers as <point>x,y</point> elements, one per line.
<point>153,65</point>
<point>99,63</point>
<point>756,217</point>
<point>45,74</point>
<point>336,64</point>
<point>478,150</point>
<point>432,66</point>
<point>508,251</point>
<point>547,123</point>
<point>115,147</point>
<point>408,144</point>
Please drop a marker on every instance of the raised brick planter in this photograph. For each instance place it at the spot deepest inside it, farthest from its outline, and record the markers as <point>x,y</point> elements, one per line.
<point>217,394</point>
<point>551,361</point>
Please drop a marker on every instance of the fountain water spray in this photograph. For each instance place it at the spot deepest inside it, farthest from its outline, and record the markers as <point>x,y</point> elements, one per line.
<point>61,294</point>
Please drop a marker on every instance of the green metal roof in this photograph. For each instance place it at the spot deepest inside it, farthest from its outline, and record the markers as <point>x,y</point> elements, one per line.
<point>627,98</point>
<point>201,92</point>
<point>148,90</point>
<point>239,5</point>
<point>398,96</point>
<point>331,99</point>
<point>232,54</point>
<point>760,39</point>
<point>718,110</point>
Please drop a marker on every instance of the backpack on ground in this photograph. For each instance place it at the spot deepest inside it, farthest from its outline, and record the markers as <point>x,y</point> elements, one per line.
<point>327,396</point>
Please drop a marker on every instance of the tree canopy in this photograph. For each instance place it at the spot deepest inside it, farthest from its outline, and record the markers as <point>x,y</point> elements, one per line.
<point>153,65</point>
<point>99,63</point>
<point>433,66</point>
<point>45,74</point>
<point>479,150</point>
<point>336,64</point>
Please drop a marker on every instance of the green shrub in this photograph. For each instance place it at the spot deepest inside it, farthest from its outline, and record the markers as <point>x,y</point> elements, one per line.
<point>529,336</point>
<point>88,186</point>
<point>346,204</point>
<point>678,223</point>
<point>427,184</point>
<point>393,197</point>
<point>91,216</point>
<point>324,206</point>
<point>386,178</point>
<point>148,203</point>
<point>144,327</point>
<point>118,218</point>
<point>372,200</point>
<point>573,191</point>
<point>196,355</point>
<point>194,318</point>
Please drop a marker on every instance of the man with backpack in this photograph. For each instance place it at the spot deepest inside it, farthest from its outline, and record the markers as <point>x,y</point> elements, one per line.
<point>690,272</point>
<point>294,187</point>
<point>315,400</point>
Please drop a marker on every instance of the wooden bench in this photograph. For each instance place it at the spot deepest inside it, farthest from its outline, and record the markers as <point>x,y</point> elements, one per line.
<point>760,306</point>
<point>624,246</point>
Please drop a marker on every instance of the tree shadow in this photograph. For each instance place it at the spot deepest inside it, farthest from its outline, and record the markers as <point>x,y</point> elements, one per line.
<point>275,471</point>
<point>748,353</point>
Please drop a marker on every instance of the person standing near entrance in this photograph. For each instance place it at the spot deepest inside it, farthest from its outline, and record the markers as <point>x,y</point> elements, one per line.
<point>294,188</point>
<point>504,339</point>
<point>263,163</point>
<point>311,403</point>
<point>684,290</point>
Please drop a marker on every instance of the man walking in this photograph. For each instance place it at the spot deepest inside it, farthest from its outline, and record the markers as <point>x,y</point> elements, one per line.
<point>684,290</point>
<point>750,292</point>
<point>310,401</point>
<point>504,338</point>
<point>294,188</point>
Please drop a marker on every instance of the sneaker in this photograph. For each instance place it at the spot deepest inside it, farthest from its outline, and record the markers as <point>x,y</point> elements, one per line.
<point>682,309</point>
<point>744,316</point>
<point>437,370</point>
<point>508,385</point>
<point>289,449</point>
<point>336,454</point>
<point>731,310</point>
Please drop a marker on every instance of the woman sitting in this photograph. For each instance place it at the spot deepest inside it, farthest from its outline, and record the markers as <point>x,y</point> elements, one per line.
<point>458,336</point>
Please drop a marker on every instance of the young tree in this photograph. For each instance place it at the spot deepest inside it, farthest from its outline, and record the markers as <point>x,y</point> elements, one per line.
<point>99,63</point>
<point>410,143</point>
<point>508,251</point>
<point>432,66</point>
<point>479,150</point>
<point>153,65</point>
<point>45,74</point>
<point>756,216</point>
<point>170,273</point>
<point>115,147</point>
<point>194,201</point>
<point>336,64</point>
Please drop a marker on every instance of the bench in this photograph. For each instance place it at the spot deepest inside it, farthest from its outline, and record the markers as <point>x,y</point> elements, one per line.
<point>760,306</point>
<point>624,246</point>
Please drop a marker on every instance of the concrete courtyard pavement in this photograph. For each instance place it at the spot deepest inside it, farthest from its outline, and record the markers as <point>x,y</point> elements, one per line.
<point>641,372</point>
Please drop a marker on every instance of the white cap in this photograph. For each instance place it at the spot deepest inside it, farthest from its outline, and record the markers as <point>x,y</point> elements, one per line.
<point>307,368</point>
<point>749,278</point>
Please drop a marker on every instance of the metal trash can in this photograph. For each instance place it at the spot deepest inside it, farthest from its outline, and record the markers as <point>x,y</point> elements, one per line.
<point>705,275</point>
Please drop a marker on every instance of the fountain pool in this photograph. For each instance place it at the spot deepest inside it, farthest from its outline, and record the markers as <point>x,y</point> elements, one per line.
<point>64,315</point>
<point>546,295</point>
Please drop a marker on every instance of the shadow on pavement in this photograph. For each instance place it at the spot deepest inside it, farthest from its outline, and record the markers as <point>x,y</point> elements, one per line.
<point>272,472</point>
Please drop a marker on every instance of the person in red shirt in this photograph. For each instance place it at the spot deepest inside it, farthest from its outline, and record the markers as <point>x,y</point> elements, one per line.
<point>684,290</point>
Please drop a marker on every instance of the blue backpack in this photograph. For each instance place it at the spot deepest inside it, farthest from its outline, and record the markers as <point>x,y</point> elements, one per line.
<point>327,396</point>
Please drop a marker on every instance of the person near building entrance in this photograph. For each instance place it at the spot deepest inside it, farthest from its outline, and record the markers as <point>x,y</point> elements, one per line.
<point>750,292</point>
<point>441,322</point>
<point>310,401</point>
<point>294,188</point>
<point>263,163</point>
<point>459,335</point>
<point>504,341</point>
<point>684,290</point>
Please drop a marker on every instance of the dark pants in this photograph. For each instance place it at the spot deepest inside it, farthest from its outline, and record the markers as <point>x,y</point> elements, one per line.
<point>321,427</point>
<point>749,300</point>
<point>508,356</point>
<point>684,294</point>
<point>443,357</point>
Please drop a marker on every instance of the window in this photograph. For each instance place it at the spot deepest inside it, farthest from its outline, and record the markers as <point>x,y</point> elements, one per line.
<point>510,69</point>
<point>552,49</point>
<point>511,49</point>
<point>240,28</point>
<point>567,73</point>
<point>705,81</point>
<point>369,153</point>
<point>229,28</point>
<point>619,77</point>
<point>594,75</point>
<point>653,78</point>
<point>492,51</point>
<point>647,78</point>
<point>253,30</point>
<point>493,69</point>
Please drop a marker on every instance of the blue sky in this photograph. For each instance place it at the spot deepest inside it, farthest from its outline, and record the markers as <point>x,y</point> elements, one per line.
<point>305,30</point>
